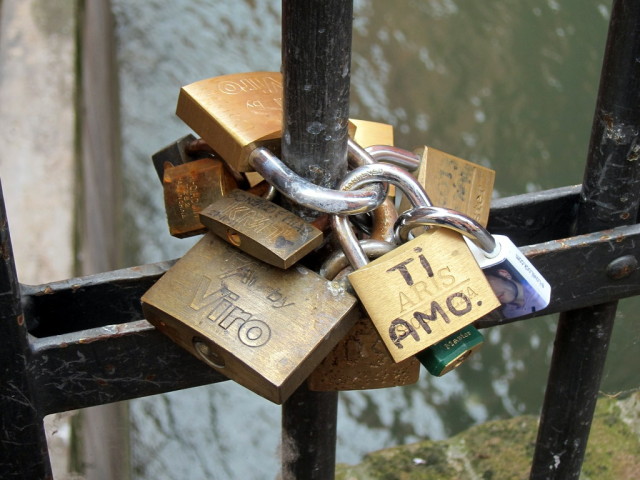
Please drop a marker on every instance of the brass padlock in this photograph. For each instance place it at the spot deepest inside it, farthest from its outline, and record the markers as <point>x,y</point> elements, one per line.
<point>176,153</point>
<point>360,361</point>
<point>454,183</point>
<point>518,286</point>
<point>261,228</point>
<point>424,290</point>
<point>263,327</point>
<point>189,188</point>
<point>235,113</point>
<point>367,133</point>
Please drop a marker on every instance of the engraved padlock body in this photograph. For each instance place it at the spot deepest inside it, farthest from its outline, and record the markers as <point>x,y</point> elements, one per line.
<point>235,113</point>
<point>519,286</point>
<point>360,361</point>
<point>424,290</point>
<point>189,188</point>
<point>261,228</point>
<point>263,327</point>
<point>454,183</point>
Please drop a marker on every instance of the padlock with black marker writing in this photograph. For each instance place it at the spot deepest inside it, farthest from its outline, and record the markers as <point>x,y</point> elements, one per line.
<point>519,287</point>
<point>424,290</point>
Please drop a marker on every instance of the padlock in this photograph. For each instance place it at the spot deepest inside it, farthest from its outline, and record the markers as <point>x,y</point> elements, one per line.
<point>171,155</point>
<point>261,228</point>
<point>240,116</point>
<point>235,113</point>
<point>366,133</point>
<point>263,327</point>
<point>189,188</point>
<point>424,290</point>
<point>517,284</point>
<point>454,183</point>
<point>360,361</point>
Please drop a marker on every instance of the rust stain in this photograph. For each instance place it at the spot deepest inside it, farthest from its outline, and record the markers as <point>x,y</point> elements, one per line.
<point>20,320</point>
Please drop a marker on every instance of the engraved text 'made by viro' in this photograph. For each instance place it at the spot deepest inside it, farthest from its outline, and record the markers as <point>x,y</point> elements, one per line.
<point>267,328</point>
<point>423,291</point>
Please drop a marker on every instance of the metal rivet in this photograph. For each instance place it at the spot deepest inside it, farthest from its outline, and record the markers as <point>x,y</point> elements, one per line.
<point>622,267</point>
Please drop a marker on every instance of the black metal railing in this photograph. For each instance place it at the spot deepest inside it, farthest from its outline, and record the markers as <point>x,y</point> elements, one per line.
<point>584,240</point>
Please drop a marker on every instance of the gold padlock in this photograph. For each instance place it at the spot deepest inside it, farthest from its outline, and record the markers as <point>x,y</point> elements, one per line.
<point>263,327</point>
<point>361,361</point>
<point>235,113</point>
<point>261,228</point>
<point>424,290</point>
<point>189,188</point>
<point>454,183</point>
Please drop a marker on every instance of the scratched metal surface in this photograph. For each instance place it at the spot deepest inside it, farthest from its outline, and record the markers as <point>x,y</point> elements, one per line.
<point>508,84</point>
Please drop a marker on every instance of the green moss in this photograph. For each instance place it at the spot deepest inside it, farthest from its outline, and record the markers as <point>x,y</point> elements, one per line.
<point>502,450</point>
<point>614,449</point>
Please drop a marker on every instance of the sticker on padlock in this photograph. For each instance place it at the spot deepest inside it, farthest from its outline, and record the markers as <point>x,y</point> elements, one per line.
<point>263,327</point>
<point>261,228</point>
<point>518,285</point>
<point>424,290</point>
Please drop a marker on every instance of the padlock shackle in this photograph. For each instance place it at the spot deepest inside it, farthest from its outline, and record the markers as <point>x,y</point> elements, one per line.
<point>309,195</point>
<point>385,173</point>
<point>338,261</point>
<point>361,176</point>
<point>445,217</point>
<point>394,155</point>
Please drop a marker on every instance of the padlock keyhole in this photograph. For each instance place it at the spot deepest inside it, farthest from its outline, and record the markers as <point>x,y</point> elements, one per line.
<point>207,353</point>
<point>234,237</point>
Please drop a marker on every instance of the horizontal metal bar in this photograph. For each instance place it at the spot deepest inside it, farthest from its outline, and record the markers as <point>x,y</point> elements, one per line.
<point>88,302</point>
<point>595,268</point>
<point>130,359</point>
<point>114,297</point>
<point>535,217</point>
<point>110,364</point>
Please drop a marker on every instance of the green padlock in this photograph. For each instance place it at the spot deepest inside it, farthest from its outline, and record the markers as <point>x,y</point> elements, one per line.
<point>447,354</point>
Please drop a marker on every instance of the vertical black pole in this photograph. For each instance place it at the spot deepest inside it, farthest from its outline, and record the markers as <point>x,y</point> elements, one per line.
<point>610,197</point>
<point>23,446</point>
<point>316,60</point>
